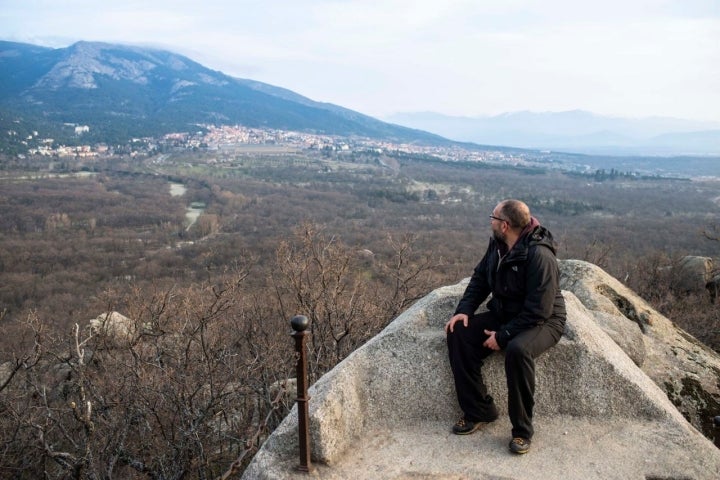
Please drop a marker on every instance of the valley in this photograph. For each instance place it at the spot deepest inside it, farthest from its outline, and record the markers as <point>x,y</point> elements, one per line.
<point>251,200</point>
<point>349,238</point>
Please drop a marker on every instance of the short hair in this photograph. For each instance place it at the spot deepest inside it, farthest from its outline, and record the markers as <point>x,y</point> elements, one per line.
<point>516,212</point>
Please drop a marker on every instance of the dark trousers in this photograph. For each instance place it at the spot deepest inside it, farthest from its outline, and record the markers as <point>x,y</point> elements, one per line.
<point>465,347</point>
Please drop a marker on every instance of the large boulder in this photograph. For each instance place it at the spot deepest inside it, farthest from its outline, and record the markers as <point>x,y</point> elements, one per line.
<point>114,325</point>
<point>686,369</point>
<point>692,274</point>
<point>376,414</point>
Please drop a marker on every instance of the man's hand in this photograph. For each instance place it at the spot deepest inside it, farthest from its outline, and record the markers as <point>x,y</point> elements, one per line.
<point>456,318</point>
<point>491,343</point>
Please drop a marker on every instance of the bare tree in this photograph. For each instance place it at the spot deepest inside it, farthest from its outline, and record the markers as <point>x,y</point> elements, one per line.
<point>177,392</point>
<point>346,299</point>
<point>410,275</point>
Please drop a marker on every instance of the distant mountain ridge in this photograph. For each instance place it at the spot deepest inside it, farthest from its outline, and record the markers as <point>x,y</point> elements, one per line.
<point>127,91</point>
<point>123,92</point>
<point>577,131</point>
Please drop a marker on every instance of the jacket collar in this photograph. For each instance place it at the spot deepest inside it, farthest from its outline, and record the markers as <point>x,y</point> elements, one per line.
<point>519,250</point>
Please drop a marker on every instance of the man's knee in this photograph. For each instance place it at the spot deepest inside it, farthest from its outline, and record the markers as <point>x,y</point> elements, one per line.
<point>456,338</point>
<point>454,334</point>
<point>516,349</point>
<point>532,343</point>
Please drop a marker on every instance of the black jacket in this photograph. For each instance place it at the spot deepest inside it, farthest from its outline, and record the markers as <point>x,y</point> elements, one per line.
<point>524,285</point>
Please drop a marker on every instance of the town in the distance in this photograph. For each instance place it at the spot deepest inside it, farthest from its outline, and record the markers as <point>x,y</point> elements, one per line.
<point>228,141</point>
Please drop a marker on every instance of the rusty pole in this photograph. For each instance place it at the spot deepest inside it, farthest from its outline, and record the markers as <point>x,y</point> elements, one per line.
<point>299,324</point>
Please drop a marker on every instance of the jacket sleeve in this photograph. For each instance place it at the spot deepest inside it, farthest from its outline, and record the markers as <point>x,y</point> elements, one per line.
<point>541,287</point>
<point>478,289</point>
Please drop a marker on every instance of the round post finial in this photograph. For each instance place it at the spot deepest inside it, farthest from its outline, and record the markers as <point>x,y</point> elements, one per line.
<point>299,323</point>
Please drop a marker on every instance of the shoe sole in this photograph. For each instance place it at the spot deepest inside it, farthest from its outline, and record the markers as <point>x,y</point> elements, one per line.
<point>518,450</point>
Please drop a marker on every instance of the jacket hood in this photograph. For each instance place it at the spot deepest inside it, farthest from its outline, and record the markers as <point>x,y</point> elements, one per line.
<point>532,234</point>
<point>530,226</point>
<point>536,234</point>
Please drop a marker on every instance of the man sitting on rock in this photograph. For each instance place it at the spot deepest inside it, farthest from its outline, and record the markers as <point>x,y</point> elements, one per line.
<point>526,317</point>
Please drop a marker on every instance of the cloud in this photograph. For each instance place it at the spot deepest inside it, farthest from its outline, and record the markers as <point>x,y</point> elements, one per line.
<point>469,57</point>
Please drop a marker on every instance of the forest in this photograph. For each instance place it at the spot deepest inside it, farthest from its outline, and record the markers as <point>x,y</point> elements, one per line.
<point>207,255</point>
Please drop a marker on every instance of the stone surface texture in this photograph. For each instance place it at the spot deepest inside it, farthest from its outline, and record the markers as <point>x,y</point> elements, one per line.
<point>687,370</point>
<point>603,406</point>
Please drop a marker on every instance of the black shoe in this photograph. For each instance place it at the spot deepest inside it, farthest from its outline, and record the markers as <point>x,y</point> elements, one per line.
<point>466,427</point>
<point>519,445</point>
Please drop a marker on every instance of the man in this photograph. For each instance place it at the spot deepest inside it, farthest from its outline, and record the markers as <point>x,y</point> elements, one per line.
<point>525,317</point>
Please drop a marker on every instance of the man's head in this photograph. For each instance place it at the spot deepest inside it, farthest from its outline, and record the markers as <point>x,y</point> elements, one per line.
<point>508,220</point>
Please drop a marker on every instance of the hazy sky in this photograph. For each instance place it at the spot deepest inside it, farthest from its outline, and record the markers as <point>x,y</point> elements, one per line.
<point>633,58</point>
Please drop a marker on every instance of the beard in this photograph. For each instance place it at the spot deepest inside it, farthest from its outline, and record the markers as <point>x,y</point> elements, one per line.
<point>498,236</point>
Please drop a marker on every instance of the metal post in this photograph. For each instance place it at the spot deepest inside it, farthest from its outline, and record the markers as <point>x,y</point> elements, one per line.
<point>300,323</point>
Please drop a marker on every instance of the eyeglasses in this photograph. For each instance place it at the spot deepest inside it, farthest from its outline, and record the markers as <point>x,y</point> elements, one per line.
<point>493,217</point>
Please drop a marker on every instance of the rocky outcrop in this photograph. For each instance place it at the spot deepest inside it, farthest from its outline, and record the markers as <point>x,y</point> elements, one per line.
<point>386,410</point>
<point>687,370</point>
<point>692,274</point>
<point>113,325</point>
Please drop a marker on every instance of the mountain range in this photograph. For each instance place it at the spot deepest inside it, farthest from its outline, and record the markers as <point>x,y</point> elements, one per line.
<point>122,92</point>
<point>574,131</point>
<point>125,91</point>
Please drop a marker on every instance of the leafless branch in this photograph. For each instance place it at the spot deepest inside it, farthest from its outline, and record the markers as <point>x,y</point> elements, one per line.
<point>253,442</point>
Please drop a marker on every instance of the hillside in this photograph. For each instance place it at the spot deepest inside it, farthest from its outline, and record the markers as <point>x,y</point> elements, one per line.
<point>122,92</point>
